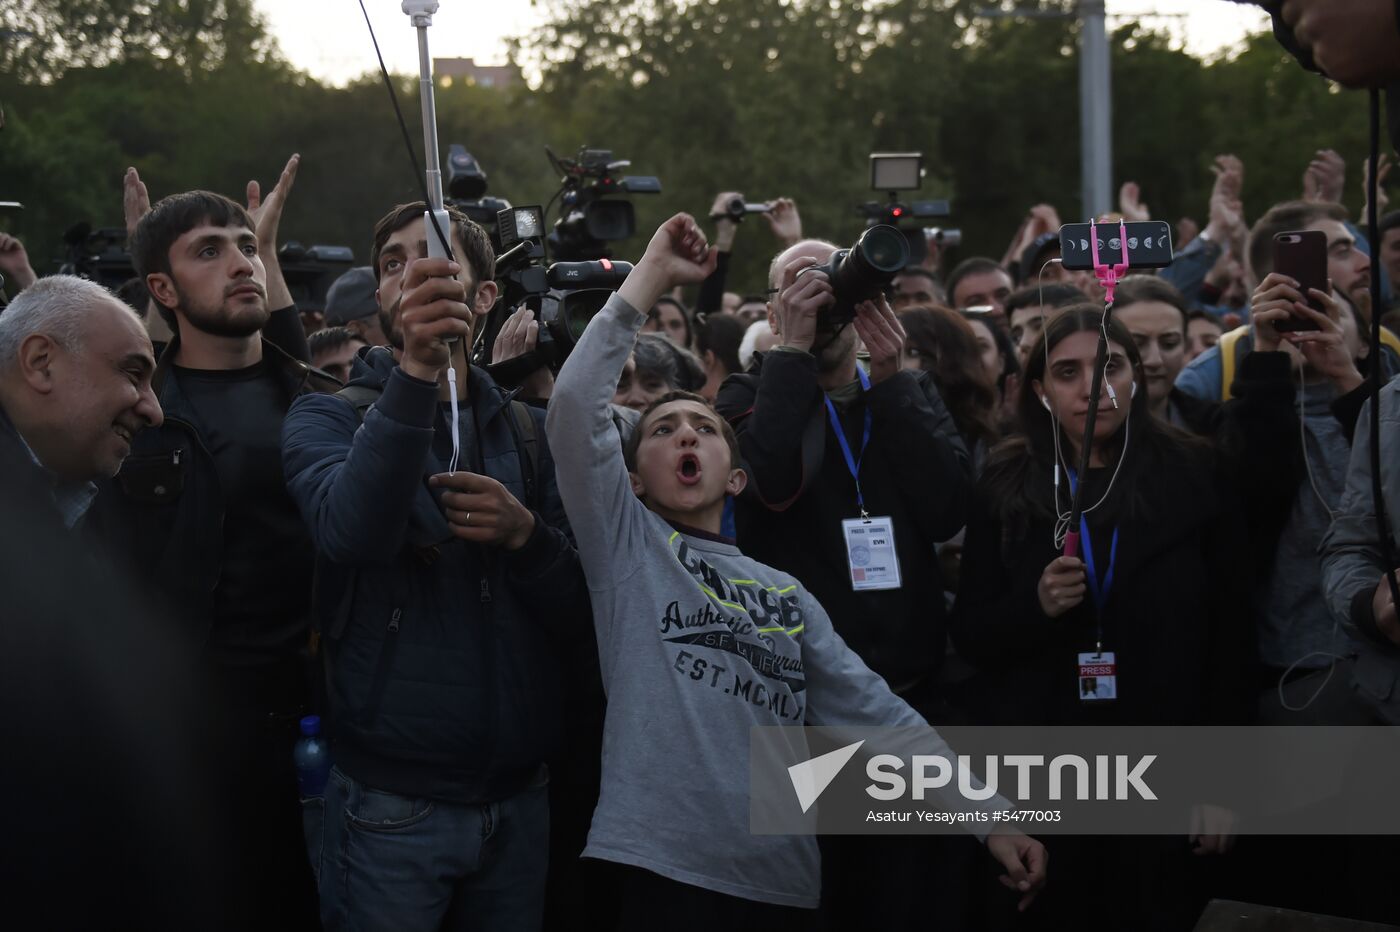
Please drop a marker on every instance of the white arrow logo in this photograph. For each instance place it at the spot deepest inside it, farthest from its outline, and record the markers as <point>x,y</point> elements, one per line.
<point>811,778</point>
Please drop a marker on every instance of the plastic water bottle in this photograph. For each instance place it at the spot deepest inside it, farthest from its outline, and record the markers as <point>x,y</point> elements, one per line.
<point>312,758</point>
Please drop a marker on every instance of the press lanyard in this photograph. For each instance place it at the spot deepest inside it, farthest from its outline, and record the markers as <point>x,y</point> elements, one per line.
<point>852,463</point>
<point>1099,592</point>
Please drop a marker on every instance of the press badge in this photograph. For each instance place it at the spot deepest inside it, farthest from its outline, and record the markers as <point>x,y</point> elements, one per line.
<point>1098,677</point>
<point>870,553</point>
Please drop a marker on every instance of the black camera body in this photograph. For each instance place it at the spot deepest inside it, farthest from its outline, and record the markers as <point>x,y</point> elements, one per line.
<point>592,214</point>
<point>564,295</point>
<point>862,273</point>
<point>466,190</point>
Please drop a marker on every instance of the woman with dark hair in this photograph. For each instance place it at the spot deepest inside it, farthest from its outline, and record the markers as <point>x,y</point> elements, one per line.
<point>940,342</point>
<point>670,318</point>
<point>1150,627</point>
<point>998,357</point>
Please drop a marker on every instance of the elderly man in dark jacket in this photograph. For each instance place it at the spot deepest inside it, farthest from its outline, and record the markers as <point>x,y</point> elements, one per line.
<point>443,598</point>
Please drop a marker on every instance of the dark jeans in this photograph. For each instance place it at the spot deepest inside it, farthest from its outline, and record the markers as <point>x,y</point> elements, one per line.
<point>394,863</point>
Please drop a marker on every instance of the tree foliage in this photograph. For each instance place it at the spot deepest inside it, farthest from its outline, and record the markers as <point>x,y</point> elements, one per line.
<point>770,97</point>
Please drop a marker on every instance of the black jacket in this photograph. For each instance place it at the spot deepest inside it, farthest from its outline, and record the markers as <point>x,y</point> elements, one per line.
<point>1177,616</point>
<point>24,484</point>
<point>443,657</point>
<point>916,471</point>
<point>162,516</point>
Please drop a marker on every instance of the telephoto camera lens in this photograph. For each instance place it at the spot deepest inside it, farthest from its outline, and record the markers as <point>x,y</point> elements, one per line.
<point>863,271</point>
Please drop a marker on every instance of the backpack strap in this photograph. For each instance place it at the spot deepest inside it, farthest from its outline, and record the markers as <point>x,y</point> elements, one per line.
<point>528,436</point>
<point>1229,359</point>
<point>361,397</point>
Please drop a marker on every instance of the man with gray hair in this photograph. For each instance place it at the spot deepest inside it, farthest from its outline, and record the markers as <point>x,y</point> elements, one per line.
<point>75,388</point>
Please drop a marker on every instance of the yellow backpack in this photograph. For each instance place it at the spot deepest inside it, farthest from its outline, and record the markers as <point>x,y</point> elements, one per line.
<point>1230,355</point>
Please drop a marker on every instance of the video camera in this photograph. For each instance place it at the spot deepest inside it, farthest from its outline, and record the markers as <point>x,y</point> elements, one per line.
<point>736,209</point>
<point>861,273</point>
<point>590,214</point>
<point>98,255</point>
<point>565,296</point>
<point>466,190</point>
<point>893,172</point>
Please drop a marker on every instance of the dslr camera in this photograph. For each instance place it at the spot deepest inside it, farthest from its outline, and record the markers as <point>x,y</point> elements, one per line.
<point>861,273</point>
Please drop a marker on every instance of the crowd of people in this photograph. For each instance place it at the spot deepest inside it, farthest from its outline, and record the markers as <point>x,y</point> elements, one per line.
<point>539,611</point>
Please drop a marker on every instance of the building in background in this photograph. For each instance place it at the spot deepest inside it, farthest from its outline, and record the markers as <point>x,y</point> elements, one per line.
<point>451,71</point>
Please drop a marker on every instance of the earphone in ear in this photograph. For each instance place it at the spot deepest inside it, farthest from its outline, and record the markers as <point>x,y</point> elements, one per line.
<point>1134,394</point>
<point>1045,402</point>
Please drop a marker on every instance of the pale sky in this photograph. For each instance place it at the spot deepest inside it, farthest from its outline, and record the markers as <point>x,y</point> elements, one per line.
<point>328,38</point>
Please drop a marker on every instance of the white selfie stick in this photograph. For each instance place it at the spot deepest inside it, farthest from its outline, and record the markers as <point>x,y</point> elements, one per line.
<point>436,224</point>
<point>420,14</point>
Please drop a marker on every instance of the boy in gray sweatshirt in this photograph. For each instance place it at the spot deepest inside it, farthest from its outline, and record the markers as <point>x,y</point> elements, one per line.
<point>697,642</point>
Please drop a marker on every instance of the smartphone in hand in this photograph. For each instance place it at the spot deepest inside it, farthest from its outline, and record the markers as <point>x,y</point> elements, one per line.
<point>1302,256</point>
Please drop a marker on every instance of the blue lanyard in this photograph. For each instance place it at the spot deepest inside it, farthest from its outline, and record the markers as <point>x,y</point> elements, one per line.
<point>1099,592</point>
<point>852,462</point>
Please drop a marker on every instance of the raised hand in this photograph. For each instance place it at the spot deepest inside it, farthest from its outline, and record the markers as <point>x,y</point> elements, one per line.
<point>136,200</point>
<point>1325,177</point>
<point>725,226</point>
<point>14,262</point>
<point>678,254</point>
<point>1325,348</point>
<point>267,212</point>
<point>1130,203</point>
<point>1382,199</point>
<point>784,221</point>
<point>433,313</point>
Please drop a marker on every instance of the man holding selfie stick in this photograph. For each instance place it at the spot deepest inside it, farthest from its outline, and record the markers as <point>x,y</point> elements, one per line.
<point>446,596</point>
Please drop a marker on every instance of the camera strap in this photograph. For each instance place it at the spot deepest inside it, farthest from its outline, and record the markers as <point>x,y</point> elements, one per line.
<point>852,462</point>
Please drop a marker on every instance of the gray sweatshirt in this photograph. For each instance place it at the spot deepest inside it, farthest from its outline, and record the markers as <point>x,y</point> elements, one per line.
<point>697,644</point>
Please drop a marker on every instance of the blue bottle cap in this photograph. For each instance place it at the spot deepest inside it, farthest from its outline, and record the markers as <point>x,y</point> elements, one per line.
<point>311,725</point>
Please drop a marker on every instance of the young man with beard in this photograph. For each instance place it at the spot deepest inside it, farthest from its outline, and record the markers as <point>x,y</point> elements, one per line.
<point>201,510</point>
<point>451,605</point>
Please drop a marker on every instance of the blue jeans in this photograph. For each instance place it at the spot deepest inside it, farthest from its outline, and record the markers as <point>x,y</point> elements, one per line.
<point>398,864</point>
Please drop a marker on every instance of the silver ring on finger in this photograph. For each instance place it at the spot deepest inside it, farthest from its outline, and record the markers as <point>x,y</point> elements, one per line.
<point>467,519</point>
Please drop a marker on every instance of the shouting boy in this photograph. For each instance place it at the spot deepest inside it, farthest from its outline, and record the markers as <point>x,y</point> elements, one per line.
<point>684,623</point>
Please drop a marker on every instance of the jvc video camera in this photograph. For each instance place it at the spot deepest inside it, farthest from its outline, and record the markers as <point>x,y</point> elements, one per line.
<point>861,273</point>
<point>564,295</point>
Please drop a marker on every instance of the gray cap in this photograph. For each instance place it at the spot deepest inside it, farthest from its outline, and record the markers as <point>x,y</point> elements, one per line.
<point>351,297</point>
